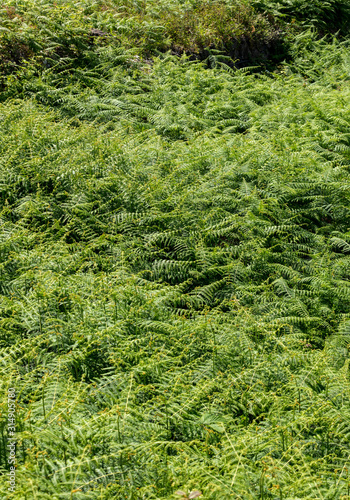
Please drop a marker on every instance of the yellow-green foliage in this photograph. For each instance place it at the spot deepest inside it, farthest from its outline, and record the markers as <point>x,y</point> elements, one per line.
<point>174,271</point>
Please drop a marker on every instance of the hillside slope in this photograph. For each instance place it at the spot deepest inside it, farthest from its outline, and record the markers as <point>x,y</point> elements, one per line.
<point>175,265</point>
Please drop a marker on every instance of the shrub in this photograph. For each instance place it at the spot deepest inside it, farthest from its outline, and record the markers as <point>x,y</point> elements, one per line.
<point>326,15</point>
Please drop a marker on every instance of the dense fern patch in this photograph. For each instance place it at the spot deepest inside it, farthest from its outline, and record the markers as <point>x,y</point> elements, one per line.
<point>38,36</point>
<point>174,280</point>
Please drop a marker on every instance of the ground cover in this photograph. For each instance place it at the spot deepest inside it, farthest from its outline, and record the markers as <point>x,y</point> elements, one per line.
<point>35,36</point>
<point>175,291</point>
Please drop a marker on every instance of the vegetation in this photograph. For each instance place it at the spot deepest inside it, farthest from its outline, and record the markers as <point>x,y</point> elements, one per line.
<point>175,250</point>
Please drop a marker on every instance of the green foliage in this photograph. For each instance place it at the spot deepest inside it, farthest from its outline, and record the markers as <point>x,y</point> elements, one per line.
<point>327,15</point>
<point>234,28</point>
<point>55,36</point>
<point>38,36</point>
<point>174,272</point>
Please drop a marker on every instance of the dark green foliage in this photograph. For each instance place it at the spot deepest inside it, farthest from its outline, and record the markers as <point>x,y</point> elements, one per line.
<point>326,15</point>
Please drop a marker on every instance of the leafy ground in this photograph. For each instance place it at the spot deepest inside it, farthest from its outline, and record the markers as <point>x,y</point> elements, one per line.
<point>175,260</point>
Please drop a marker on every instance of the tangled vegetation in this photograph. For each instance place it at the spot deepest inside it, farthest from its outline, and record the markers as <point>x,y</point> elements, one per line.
<point>175,251</point>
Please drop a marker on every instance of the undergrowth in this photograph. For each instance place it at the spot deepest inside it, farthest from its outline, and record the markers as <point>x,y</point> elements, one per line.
<point>35,36</point>
<point>174,274</point>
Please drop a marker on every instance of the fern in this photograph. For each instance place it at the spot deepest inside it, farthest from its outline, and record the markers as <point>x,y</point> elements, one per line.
<point>174,243</point>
